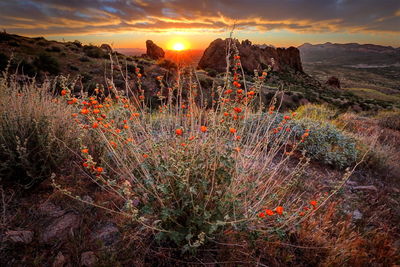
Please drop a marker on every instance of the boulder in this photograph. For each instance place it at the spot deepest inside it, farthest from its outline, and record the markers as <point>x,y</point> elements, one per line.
<point>154,51</point>
<point>334,82</point>
<point>252,57</point>
<point>60,227</point>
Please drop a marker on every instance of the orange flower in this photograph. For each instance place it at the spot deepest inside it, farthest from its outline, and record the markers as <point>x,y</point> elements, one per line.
<point>306,134</point>
<point>302,213</point>
<point>251,93</point>
<point>96,111</point>
<point>203,129</point>
<point>84,111</point>
<point>99,169</point>
<point>191,138</point>
<point>179,131</point>
<point>279,210</point>
<point>287,117</point>
<point>183,144</point>
<point>63,92</point>
<point>141,97</point>
<point>85,164</point>
<point>238,137</point>
<point>232,130</point>
<point>226,114</point>
<point>237,149</point>
<point>85,150</point>
<point>313,203</point>
<point>261,215</point>
<point>74,115</point>
<point>239,91</point>
<point>95,125</point>
<point>237,110</point>
<point>183,106</point>
<point>113,144</point>
<point>269,212</point>
<point>126,126</point>
<point>145,156</point>
<point>227,92</point>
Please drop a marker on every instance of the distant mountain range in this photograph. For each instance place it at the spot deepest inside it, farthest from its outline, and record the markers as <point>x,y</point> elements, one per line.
<point>349,54</point>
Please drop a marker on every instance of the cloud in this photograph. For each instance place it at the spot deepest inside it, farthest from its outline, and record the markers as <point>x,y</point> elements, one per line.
<point>73,17</point>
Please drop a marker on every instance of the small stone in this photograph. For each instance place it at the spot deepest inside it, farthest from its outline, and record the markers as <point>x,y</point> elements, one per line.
<point>88,259</point>
<point>107,234</point>
<point>60,260</point>
<point>60,227</point>
<point>20,236</point>
<point>48,208</point>
<point>365,187</point>
<point>357,215</point>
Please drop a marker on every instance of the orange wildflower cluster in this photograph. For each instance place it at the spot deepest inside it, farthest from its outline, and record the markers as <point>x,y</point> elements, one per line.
<point>278,210</point>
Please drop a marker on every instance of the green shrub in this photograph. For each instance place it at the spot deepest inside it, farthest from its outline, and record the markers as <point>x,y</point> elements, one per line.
<point>316,112</point>
<point>47,63</point>
<point>33,130</point>
<point>326,143</point>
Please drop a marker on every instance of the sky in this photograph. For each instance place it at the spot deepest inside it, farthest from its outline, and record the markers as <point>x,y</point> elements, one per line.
<point>129,23</point>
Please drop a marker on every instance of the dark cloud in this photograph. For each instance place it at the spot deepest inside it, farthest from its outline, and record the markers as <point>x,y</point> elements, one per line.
<point>49,17</point>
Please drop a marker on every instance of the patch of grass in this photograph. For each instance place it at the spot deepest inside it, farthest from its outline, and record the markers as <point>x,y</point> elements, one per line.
<point>367,93</point>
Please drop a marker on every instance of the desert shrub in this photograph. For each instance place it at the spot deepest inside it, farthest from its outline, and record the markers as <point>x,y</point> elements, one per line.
<point>389,120</point>
<point>77,43</point>
<point>316,112</point>
<point>24,67</point>
<point>53,49</point>
<point>94,51</point>
<point>211,72</point>
<point>325,143</point>
<point>3,61</point>
<point>47,63</point>
<point>74,68</point>
<point>33,131</point>
<point>167,64</point>
<point>84,59</point>
<point>185,173</point>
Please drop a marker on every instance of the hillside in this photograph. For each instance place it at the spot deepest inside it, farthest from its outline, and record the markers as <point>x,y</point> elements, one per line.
<point>360,68</point>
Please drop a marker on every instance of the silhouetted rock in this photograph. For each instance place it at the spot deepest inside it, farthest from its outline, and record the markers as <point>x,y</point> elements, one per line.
<point>154,51</point>
<point>106,47</point>
<point>253,57</point>
<point>333,81</point>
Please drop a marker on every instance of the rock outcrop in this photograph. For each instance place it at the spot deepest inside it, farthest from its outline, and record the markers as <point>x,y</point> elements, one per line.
<point>334,82</point>
<point>252,57</point>
<point>154,51</point>
<point>106,47</point>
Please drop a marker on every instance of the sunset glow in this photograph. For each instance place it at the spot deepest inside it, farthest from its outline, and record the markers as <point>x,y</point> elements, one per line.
<point>178,47</point>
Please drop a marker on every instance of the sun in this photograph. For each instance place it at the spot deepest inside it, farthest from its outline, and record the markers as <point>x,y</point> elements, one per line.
<point>178,47</point>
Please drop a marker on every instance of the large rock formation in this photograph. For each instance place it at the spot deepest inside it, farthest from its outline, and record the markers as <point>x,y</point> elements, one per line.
<point>252,57</point>
<point>154,51</point>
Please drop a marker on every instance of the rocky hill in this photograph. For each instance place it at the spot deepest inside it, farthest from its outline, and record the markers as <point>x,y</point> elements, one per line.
<point>253,57</point>
<point>88,64</point>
